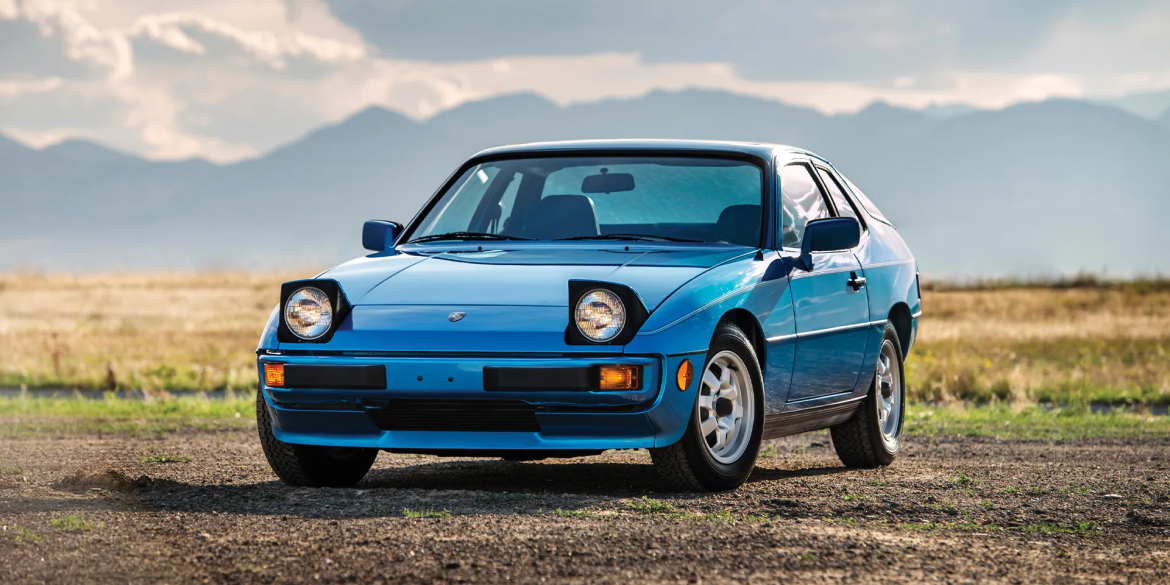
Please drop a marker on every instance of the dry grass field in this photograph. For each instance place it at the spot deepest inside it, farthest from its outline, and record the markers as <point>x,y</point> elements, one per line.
<point>1071,343</point>
<point>157,331</point>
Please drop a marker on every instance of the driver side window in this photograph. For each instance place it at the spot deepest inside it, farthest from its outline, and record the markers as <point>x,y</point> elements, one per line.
<point>802,202</point>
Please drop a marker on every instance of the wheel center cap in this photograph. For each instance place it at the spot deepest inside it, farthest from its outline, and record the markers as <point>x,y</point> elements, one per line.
<point>723,407</point>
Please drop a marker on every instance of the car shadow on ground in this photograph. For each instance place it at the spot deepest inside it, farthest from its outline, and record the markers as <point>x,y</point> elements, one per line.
<point>455,487</point>
<point>578,477</point>
<point>584,478</point>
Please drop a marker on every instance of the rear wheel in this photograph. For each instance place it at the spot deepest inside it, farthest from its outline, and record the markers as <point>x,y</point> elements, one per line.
<point>307,465</point>
<point>719,447</point>
<point>872,437</point>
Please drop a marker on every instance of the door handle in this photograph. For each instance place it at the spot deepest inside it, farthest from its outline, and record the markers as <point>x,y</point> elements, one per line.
<point>856,282</point>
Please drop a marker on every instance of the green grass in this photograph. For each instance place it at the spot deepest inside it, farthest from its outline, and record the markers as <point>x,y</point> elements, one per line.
<point>159,428</point>
<point>73,523</point>
<point>573,513</point>
<point>24,534</point>
<point>162,457</point>
<point>1029,423</point>
<point>428,513</point>
<point>171,407</point>
<point>650,506</point>
<point>969,525</point>
<point>29,415</point>
<point>1078,528</point>
<point>965,526</point>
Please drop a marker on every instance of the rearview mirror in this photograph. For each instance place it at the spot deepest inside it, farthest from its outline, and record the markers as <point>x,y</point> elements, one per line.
<point>828,235</point>
<point>608,182</point>
<point>379,235</point>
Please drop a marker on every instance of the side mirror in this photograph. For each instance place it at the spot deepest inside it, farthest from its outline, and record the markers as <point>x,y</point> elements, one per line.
<point>828,235</point>
<point>379,235</point>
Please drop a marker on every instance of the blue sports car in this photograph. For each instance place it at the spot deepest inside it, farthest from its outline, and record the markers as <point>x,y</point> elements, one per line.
<point>692,298</point>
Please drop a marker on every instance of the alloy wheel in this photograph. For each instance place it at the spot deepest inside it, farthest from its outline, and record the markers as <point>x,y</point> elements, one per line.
<point>726,407</point>
<point>889,384</point>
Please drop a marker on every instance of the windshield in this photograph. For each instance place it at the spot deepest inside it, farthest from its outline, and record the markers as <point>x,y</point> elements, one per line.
<point>611,197</point>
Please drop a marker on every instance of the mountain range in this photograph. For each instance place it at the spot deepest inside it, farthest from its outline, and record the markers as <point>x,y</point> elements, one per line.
<point>1035,189</point>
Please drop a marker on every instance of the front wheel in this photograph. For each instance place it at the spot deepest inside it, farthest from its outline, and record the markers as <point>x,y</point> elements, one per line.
<point>307,465</point>
<point>872,437</point>
<point>719,447</point>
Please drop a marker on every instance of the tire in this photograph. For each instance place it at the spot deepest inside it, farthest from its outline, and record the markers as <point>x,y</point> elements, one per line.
<point>306,465</point>
<point>872,438</point>
<point>694,463</point>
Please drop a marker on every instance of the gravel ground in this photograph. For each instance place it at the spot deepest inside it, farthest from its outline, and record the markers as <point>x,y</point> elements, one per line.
<point>204,507</point>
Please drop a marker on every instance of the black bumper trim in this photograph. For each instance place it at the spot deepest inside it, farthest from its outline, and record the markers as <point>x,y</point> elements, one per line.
<point>456,415</point>
<point>512,379</point>
<point>335,377</point>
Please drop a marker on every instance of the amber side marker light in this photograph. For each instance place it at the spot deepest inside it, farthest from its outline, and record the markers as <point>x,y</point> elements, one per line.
<point>621,377</point>
<point>274,375</point>
<point>686,373</point>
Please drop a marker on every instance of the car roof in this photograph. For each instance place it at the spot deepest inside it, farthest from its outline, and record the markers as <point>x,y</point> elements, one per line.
<point>760,149</point>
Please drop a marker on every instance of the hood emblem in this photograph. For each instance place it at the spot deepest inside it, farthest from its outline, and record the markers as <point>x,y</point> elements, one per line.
<point>456,316</point>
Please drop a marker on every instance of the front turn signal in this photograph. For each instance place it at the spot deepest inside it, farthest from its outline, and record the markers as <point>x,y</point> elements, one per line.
<point>621,378</point>
<point>274,375</point>
<point>686,373</point>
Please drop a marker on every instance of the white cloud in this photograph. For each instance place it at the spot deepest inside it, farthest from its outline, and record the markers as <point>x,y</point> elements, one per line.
<point>16,87</point>
<point>154,97</point>
<point>266,46</point>
<point>227,80</point>
<point>9,10</point>
<point>421,89</point>
<point>83,41</point>
<point>43,138</point>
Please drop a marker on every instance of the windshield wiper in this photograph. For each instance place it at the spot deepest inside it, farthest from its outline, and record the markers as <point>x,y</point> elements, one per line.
<point>464,236</point>
<point>636,237</point>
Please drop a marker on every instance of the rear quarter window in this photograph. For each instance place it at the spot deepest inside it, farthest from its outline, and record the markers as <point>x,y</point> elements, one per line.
<point>870,208</point>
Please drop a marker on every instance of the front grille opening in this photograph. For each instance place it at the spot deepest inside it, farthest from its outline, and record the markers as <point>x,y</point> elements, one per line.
<point>456,415</point>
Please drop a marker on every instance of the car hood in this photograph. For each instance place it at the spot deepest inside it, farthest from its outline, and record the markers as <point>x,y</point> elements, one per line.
<point>526,276</point>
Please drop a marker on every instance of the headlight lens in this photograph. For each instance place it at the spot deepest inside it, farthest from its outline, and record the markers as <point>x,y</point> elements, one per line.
<point>600,315</point>
<point>308,313</point>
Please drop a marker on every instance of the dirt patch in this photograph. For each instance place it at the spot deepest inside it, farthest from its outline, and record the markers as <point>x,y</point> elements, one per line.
<point>111,480</point>
<point>952,509</point>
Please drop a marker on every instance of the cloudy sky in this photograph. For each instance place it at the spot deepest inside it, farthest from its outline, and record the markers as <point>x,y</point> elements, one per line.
<point>231,79</point>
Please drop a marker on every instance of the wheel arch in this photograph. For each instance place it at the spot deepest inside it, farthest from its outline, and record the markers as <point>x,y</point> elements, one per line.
<point>750,326</point>
<point>901,320</point>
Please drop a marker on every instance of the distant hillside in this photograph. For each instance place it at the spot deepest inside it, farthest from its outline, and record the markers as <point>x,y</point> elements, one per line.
<point>1147,105</point>
<point>1054,187</point>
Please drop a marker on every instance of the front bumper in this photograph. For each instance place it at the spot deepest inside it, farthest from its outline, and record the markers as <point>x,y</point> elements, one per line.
<point>446,396</point>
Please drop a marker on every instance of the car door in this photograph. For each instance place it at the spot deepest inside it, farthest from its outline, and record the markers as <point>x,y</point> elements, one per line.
<point>830,303</point>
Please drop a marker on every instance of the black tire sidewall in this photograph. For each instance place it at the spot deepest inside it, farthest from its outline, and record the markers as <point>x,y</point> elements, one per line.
<point>310,465</point>
<point>884,454</point>
<point>714,474</point>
